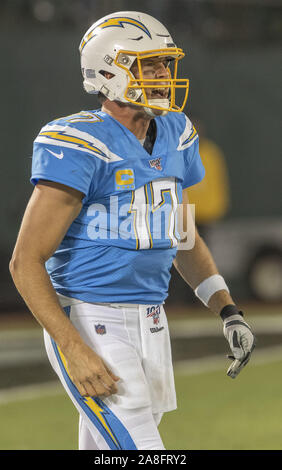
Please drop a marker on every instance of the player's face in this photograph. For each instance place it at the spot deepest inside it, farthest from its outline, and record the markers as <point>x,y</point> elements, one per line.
<point>154,68</point>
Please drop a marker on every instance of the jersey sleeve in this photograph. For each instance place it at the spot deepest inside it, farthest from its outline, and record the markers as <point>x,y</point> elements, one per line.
<point>194,170</point>
<point>64,155</point>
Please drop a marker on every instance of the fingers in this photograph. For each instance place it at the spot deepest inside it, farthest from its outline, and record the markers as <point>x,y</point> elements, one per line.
<point>233,370</point>
<point>93,388</point>
<point>81,388</point>
<point>113,376</point>
<point>90,374</point>
<point>102,385</point>
<point>241,341</point>
<point>106,384</point>
<point>237,366</point>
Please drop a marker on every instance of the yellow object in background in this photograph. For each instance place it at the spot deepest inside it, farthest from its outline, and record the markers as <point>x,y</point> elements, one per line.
<point>211,195</point>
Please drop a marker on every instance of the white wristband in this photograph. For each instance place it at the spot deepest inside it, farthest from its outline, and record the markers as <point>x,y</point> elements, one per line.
<point>209,286</point>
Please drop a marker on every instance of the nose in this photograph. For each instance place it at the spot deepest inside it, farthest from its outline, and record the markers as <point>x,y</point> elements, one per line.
<point>162,71</point>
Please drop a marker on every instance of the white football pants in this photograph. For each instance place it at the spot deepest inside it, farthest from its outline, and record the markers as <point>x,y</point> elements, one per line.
<point>133,340</point>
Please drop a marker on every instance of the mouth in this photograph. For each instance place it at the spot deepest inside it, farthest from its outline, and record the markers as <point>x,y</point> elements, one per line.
<point>159,93</point>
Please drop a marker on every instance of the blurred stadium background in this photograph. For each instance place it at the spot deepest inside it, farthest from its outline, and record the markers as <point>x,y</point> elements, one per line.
<point>233,60</point>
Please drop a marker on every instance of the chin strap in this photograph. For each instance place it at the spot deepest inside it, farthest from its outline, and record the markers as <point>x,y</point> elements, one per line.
<point>162,103</point>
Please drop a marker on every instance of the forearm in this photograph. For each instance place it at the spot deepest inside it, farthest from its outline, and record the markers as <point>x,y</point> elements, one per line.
<point>195,266</point>
<point>33,283</point>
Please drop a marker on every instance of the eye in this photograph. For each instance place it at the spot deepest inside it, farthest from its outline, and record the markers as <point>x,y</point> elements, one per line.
<point>149,64</point>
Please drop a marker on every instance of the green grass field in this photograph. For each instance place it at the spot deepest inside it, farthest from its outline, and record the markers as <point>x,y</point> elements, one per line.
<point>214,412</point>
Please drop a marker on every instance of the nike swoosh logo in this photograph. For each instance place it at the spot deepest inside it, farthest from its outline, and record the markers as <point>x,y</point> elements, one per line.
<point>57,155</point>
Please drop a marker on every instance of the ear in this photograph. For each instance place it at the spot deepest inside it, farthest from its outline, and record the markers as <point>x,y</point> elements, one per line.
<point>107,75</point>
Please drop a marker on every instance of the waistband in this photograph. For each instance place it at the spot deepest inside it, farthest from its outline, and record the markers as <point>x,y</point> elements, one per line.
<point>68,301</point>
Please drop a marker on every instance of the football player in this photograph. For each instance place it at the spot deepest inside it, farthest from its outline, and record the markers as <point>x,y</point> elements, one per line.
<point>99,235</point>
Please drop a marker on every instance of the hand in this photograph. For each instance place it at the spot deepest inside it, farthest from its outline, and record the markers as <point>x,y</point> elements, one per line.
<point>89,373</point>
<point>240,338</point>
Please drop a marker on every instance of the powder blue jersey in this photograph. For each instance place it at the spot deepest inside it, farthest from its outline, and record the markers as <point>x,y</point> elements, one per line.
<point>121,246</point>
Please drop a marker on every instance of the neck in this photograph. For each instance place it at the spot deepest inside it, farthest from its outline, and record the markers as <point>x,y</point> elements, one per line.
<point>133,119</point>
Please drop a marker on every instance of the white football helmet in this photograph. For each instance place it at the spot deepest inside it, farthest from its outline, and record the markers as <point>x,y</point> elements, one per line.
<point>113,44</point>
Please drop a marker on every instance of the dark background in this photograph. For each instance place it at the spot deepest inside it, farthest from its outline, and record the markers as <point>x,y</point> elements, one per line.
<point>233,60</point>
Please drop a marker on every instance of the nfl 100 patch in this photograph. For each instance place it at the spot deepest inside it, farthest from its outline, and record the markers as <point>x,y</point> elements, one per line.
<point>154,312</point>
<point>100,329</point>
<point>156,163</point>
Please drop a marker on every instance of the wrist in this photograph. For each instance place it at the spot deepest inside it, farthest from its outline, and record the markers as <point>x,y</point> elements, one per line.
<point>70,342</point>
<point>229,311</point>
<point>209,287</point>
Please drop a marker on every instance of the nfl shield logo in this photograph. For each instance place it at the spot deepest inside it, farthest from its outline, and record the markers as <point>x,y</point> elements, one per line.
<point>100,329</point>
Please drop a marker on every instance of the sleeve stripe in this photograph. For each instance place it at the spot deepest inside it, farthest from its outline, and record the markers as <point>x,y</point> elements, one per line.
<point>60,143</point>
<point>69,137</point>
<point>188,137</point>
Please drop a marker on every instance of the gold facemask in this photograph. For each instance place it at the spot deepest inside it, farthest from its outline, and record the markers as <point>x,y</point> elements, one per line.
<point>140,84</point>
